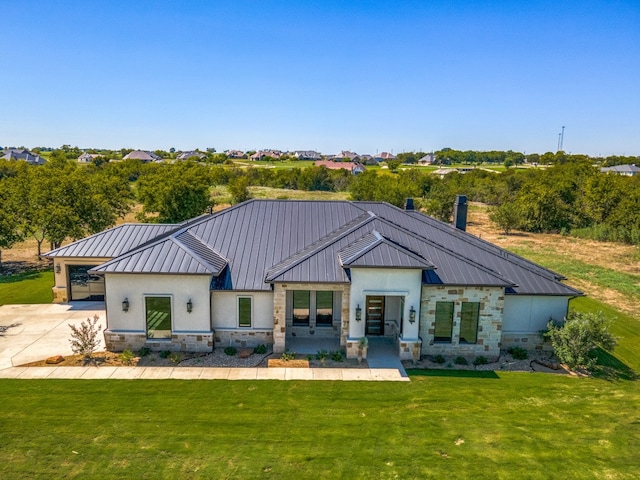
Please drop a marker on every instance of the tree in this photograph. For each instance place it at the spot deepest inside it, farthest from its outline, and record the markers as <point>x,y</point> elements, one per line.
<point>506,216</point>
<point>393,164</point>
<point>9,223</point>
<point>238,189</point>
<point>174,193</point>
<point>577,340</point>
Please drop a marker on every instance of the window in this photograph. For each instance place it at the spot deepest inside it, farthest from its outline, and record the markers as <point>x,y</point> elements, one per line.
<point>301,302</point>
<point>324,308</point>
<point>469,322</point>
<point>444,322</point>
<point>244,311</point>
<point>158,312</point>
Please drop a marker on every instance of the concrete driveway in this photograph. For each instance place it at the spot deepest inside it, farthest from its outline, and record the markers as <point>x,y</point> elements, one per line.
<point>35,332</point>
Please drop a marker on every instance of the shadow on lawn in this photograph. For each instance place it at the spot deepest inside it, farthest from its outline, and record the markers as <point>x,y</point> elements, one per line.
<point>611,368</point>
<point>414,372</point>
<point>6,276</point>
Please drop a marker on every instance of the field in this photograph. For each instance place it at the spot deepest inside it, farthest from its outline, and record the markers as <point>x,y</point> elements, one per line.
<point>443,424</point>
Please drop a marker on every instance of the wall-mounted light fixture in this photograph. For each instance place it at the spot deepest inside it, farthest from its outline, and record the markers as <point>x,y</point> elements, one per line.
<point>189,306</point>
<point>412,315</point>
<point>58,268</point>
<point>358,313</point>
<point>125,305</point>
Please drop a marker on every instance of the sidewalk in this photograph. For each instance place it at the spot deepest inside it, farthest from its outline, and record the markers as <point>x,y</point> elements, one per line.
<point>205,373</point>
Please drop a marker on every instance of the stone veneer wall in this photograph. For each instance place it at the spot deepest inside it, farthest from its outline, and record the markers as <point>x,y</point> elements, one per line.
<point>180,342</point>
<point>281,323</point>
<point>528,341</point>
<point>491,301</point>
<point>60,295</point>
<point>239,338</point>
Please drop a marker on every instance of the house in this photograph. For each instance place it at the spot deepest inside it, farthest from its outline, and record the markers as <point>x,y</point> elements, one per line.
<point>368,160</point>
<point>384,156</point>
<point>235,154</point>
<point>190,154</point>
<point>428,159</point>
<point>22,154</point>
<point>274,271</point>
<point>87,157</point>
<point>354,167</point>
<point>144,155</point>
<point>262,154</point>
<point>307,155</point>
<point>626,170</point>
<point>346,156</point>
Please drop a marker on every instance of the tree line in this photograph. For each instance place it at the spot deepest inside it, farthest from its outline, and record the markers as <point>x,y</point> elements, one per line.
<point>62,200</point>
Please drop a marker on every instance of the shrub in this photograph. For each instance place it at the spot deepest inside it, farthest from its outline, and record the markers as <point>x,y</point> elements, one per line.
<point>337,356</point>
<point>84,339</point>
<point>287,355</point>
<point>260,349</point>
<point>231,351</point>
<point>126,357</point>
<point>439,359</point>
<point>144,351</point>
<point>518,353</point>
<point>175,357</point>
<point>480,361</point>
<point>322,355</point>
<point>575,343</point>
<point>164,354</point>
<point>461,361</point>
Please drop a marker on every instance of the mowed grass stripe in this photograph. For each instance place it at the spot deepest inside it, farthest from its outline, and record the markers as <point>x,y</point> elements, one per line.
<point>509,426</point>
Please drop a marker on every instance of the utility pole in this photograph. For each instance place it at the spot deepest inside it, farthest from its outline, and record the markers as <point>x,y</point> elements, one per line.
<point>562,140</point>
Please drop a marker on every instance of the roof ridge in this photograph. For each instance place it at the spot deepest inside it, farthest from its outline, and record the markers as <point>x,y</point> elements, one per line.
<point>317,246</point>
<point>381,239</point>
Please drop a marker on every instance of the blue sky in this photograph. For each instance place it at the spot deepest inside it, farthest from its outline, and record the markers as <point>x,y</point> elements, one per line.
<point>327,75</point>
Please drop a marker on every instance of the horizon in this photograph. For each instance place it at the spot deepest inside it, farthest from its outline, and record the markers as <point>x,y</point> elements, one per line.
<point>325,76</point>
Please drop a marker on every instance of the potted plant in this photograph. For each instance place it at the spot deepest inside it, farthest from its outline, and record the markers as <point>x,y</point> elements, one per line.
<point>363,342</point>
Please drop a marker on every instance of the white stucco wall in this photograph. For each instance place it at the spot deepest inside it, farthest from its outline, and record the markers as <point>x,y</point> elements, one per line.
<point>384,281</point>
<point>224,309</point>
<point>530,314</point>
<point>135,287</point>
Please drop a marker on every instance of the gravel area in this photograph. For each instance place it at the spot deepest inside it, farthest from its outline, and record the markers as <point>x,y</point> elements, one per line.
<point>536,361</point>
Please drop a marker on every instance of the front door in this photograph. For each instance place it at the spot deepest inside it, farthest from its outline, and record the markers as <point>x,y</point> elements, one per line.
<point>375,315</point>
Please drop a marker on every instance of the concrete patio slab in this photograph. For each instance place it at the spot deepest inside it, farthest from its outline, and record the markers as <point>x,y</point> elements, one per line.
<point>98,373</point>
<point>130,373</point>
<point>186,373</point>
<point>215,373</point>
<point>298,374</point>
<point>327,373</point>
<point>36,372</point>
<point>275,373</point>
<point>66,372</point>
<point>242,374</point>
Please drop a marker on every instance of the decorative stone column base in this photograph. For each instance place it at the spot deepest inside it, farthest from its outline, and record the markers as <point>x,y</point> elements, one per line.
<point>408,348</point>
<point>60,295</point>
<point>353,346</point>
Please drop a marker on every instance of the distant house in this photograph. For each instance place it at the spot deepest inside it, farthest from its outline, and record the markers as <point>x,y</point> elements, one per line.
<point>190,154</point>
<point>274,272</point>
<point>626,170</point>
<point>346,156</point>
<point>384,156</point>
<point>354,167</point>
<point>441,172</point>
<point>428,159</point>
<point>261,154</point>
<point>87,157</point>
<point>307,155</point>
<point>368,160</point>
<point>22,154</point>
<point>145,155</point>
<point>235,154</point>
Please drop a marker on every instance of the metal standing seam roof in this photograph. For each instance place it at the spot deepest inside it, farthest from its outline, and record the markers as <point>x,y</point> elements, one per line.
<point>114,241</point>
<point>263,241</point>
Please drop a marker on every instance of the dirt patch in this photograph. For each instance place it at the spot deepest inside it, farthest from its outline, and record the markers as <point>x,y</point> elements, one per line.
<point>100,359</point>
<point>278,362</point>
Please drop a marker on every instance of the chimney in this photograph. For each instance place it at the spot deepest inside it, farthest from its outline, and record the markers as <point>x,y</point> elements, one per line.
<point>408,204</point>
<point>460,213</point>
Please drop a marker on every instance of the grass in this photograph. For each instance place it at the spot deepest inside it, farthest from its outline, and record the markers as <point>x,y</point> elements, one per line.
<point>512,426</point>
<point>32,287</point>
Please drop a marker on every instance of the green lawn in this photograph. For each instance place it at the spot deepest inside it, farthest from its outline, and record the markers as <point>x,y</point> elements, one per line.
<point>513,425</point>
<point>34,287</point>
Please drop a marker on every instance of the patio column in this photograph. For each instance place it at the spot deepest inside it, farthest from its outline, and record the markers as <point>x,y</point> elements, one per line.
<point>279,319</point>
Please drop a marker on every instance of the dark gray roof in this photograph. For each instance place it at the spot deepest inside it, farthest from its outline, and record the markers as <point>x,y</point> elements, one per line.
<point>625,169</point>
<point>260,242</point>
<point>113,242</point>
